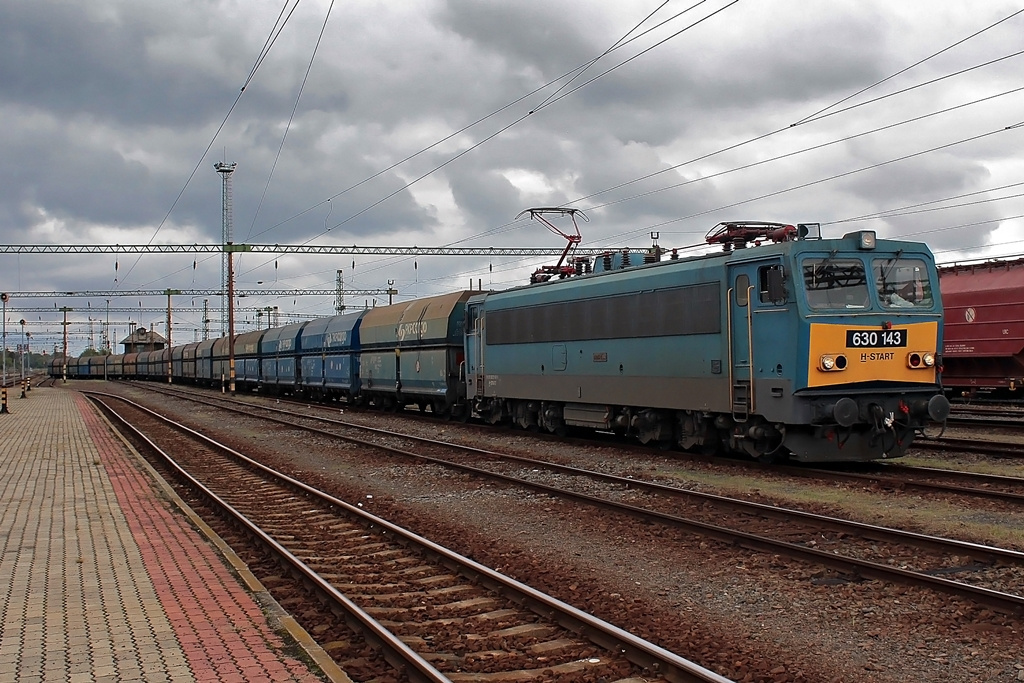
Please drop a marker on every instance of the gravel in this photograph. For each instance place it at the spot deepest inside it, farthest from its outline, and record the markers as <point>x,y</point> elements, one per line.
<point>747,615</point>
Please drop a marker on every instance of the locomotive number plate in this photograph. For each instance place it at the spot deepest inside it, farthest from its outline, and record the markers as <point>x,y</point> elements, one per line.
<point>875,339</point>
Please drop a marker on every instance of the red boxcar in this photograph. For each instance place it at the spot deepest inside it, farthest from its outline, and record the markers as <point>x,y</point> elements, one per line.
<point>984,326</point>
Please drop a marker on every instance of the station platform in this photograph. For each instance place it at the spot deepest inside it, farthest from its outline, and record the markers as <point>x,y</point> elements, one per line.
<point>103,577</point>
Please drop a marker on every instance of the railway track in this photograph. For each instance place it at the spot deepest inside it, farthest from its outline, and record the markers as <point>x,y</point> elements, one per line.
<point>436,615</point>
<point>1006,419</point>
<point>1004,409</point>
<point>996,449</point>
<point>1007,423</point>
<point>895,476</point>
<point>854,549</point>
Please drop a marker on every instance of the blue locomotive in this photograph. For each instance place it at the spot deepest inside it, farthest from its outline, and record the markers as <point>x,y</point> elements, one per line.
<point>782,344</point>
<point>814,349</point>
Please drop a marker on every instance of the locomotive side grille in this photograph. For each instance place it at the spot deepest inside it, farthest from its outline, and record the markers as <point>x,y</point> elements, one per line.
<point>665,312</point>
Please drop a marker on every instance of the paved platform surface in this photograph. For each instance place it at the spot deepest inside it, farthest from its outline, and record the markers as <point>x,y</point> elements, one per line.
<point>102,578</point>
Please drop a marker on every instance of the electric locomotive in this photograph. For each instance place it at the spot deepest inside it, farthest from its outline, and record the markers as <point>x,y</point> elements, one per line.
<point>783,344</point>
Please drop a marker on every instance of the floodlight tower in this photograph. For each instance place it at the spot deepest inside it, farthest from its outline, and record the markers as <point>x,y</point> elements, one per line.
<point>227,236</point>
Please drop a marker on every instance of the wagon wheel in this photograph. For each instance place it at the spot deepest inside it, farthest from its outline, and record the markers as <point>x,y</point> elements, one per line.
<point>441,408</point>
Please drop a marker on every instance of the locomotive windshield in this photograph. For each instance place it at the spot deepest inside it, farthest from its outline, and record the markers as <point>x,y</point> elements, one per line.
<point>902,283</point>
<point>843,283</point>
<point>835,283</point>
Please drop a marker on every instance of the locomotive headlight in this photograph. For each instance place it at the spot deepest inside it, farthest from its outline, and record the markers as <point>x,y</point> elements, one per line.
<point>920,360</point>
<point>832,362</point>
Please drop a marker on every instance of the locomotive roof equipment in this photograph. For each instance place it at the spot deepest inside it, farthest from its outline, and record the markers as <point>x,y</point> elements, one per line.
<point>545,273</point>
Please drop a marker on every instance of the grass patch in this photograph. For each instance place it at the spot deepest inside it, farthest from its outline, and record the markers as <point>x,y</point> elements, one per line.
<point>1004,468</point>
<point>900,510</point>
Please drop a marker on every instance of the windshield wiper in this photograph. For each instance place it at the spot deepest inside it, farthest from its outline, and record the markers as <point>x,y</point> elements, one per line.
<point>883,276</point>
<point>819,270</point>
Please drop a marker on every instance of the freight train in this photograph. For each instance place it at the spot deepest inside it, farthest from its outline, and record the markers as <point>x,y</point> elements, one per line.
<point>984,329</point>
<point>781,344</point>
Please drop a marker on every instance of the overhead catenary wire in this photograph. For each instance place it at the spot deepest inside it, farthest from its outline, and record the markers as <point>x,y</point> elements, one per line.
<point>840,175</point>
<point>291,118</point>
<point>830,178</point>
<point>783,129</point>
<point>515,122</point>
<point>492,231</point>
<point>806,118</point>
<point>572,74</point>
<point>911,209</point>
<point>809,120</point>
<point>288,126</point>
<point>822,145</point>
<point>275,32</point>
<point>906,69</point>
<point>546,103</point>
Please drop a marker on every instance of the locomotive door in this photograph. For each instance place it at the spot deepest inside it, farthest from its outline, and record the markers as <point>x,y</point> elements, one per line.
<point>741,362</point>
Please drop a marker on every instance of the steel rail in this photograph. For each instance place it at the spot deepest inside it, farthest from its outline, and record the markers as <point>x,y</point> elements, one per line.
<point>1012,423</point>
<point>641,652</point>
<point>831,475</point>
<point>975,550</point>
<point>997,599</point>
<point>396,652</point>
<point>1002,450</point>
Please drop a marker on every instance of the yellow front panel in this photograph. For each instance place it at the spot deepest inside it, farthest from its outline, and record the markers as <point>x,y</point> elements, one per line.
<point>870,360</point>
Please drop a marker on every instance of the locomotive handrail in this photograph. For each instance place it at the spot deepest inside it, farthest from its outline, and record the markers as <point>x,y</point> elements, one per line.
<point>750,352</point>
<point>728,334</point>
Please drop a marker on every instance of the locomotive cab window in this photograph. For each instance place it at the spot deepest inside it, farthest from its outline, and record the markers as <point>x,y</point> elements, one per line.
<point>902,283</point>
<point>742,288</point>
<point>835,283</point>
<point>771,285</point>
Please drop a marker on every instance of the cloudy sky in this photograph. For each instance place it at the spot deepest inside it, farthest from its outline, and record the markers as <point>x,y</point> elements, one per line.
<point>409,123</point>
